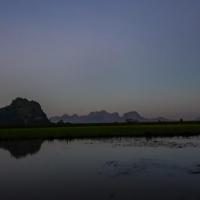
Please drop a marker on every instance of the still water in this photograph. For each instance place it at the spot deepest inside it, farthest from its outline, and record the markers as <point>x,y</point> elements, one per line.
<point>126,168</point>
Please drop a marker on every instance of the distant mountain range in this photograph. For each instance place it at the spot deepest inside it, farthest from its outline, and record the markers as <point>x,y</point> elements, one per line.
<point>105,117</point>
<point>23,112</point>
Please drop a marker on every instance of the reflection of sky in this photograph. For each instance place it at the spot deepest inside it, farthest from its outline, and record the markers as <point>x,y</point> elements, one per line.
<point>78,56</point>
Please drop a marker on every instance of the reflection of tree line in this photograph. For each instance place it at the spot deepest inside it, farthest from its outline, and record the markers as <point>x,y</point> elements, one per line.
<point>21,148</point>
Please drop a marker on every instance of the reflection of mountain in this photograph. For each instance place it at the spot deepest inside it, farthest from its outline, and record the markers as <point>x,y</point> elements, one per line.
<point>21,148</point>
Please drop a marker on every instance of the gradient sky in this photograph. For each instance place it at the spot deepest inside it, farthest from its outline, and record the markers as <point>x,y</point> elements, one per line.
<point>77,56</point>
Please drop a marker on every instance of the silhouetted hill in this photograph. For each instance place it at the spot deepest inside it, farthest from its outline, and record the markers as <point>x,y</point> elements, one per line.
<point>133,116</point>
<point>105,117</point>
<point>101,117</point>
<point>92,117</point>
<point>23,112</point>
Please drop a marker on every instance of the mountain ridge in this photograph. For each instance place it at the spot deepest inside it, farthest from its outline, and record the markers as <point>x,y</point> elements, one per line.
<point>103,116</point>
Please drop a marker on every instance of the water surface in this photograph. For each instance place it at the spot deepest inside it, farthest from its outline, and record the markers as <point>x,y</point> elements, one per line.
<point>126,168</point>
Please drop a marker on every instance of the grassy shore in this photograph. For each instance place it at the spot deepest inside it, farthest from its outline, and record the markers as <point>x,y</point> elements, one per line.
<point>102,131</point>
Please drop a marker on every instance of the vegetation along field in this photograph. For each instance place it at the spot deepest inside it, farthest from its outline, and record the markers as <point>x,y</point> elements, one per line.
<point>100,131</point>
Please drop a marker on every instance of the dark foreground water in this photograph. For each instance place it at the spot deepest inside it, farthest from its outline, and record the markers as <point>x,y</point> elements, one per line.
<point>128,168</point>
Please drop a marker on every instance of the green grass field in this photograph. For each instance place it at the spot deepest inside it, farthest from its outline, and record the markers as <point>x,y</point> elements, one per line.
<point>134,130</point>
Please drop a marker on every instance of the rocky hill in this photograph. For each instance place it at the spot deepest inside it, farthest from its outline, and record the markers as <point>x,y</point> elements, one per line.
<point>22,112</point>
<point>105,117</point>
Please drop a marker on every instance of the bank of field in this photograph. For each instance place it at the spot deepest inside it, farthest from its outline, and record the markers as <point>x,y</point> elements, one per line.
<point>136,130</point>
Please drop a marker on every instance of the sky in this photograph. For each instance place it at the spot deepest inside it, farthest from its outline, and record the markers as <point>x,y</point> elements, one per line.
<point>76,56</point>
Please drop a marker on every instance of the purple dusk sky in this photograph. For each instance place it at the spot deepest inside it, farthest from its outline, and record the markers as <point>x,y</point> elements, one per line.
<point>119,55</point>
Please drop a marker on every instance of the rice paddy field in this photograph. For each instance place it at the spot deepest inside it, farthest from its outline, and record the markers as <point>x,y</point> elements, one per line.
<point>102,131</point>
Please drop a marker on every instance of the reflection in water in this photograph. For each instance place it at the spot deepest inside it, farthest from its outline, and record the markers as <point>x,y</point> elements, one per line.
<point>21,148</point>
<point>117,168</point>
<point>170,142</point>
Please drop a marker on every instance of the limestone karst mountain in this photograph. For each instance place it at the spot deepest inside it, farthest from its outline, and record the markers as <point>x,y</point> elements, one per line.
<point>105,117</point>
<point>23,112</point>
